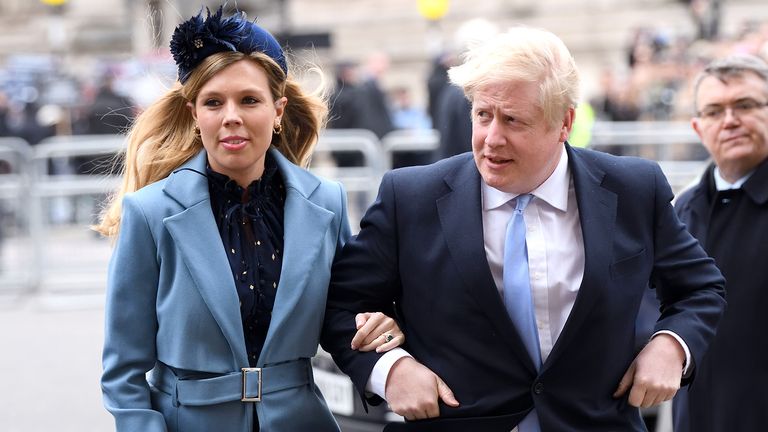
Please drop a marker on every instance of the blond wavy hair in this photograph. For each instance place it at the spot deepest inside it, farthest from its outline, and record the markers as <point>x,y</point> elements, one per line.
<point>163,137</point>
<point>523,54</point>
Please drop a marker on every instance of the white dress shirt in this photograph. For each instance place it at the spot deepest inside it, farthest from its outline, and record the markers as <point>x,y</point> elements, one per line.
<point>555,258</point>
<point>553,236</point>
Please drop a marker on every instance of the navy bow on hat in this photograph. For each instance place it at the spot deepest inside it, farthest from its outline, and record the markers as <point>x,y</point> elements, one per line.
<point>199,37</point>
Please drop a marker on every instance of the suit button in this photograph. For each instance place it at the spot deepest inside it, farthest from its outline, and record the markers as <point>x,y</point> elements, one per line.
<point>538,388</point>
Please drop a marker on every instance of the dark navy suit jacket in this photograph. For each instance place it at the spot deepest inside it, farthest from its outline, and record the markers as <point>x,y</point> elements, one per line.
<point>420,254</point>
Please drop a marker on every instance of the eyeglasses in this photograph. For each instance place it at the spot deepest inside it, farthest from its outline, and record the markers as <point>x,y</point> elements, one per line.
<point>741,107</point>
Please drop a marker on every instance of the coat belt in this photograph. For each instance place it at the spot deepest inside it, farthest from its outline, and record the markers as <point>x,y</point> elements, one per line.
<point>235,386</point>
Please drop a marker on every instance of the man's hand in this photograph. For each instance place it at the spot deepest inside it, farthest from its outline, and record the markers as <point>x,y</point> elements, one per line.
<point>654,376</point>
<point>413,390</point>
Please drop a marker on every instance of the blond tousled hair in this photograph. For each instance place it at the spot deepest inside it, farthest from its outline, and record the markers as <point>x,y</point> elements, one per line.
<point>163,137</point>
<point>523,54</point>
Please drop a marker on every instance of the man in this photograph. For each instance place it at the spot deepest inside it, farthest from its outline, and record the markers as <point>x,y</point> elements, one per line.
<point>526,314</point>
<point>728,212</point>
<point>374,112</point>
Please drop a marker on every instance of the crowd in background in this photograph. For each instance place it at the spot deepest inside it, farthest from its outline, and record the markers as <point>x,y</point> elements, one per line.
<point>655,81</point>
<point>32,113</point>
<point>652,84</point>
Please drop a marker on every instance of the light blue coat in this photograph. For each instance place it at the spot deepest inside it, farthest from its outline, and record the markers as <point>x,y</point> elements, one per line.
<point>171,299</point>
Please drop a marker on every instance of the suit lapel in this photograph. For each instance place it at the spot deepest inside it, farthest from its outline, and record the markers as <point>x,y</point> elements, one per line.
<point>197,238</point>
<point>597,215</point>
<point>699,206</point>
<point>306,225</point>
<point>463,231</point>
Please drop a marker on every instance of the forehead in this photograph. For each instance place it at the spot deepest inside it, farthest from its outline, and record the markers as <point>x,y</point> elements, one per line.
<point>239,76</point>
<point>714,90</point>
<point>512,94</point>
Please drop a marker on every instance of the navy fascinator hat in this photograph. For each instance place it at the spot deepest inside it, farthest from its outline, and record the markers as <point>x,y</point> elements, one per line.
<point>201,36</point>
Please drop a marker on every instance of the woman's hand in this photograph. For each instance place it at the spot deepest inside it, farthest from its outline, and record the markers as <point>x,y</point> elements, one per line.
<point>376,331</point>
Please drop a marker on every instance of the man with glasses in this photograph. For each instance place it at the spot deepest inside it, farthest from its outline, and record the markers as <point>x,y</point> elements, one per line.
<point>728,212</point>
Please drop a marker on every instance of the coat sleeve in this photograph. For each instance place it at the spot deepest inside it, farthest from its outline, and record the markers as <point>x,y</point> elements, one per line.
<point>131,324</point>
<point>689,286</point>
<point>364,278</point>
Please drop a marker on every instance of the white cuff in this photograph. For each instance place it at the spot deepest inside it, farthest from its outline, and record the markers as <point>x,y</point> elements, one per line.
<point>687,365</point>
<point>377,382</point>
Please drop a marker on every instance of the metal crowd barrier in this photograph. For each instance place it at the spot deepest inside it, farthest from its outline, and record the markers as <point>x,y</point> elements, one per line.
<point>70,258</point>
<point>42,179</point>
<point>642,133</point>
<point>61,255</point>
<point>361,180</point>
<point>674,145</point>
<point>15,154</point>
<point>420,143</point>
<point>15,157</point>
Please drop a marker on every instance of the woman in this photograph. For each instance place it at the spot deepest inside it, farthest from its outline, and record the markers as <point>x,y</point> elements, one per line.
<point>217,285</point>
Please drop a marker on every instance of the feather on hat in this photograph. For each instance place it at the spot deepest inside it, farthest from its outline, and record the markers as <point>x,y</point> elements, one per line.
<point>199,37</point>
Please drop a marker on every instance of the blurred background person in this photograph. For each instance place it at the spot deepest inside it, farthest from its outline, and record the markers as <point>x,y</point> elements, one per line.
<point>619,100</point>
<point>27,125</point>
<point>346,109</point>
<point>437,81</point>
<point>345,99</point>
<point>706,16</point>
<point>410,119</point>
<point>5,168</point>
<point>406,114</point>
<point>4,109</point>
<point>375,107</point>
<point>110,112</point>
<point>453,109</point>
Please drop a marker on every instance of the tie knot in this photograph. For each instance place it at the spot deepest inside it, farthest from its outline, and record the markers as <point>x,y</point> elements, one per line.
<point>521,202</point>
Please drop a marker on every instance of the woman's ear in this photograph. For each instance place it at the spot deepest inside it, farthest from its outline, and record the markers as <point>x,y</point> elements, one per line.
<point>192,110</point>
<point>280,106</point>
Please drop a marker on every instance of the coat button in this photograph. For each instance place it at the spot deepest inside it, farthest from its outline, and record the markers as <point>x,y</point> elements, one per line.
<point>538,388</point>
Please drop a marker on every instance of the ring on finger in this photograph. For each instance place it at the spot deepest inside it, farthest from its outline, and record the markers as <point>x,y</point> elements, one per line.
<point>388,337</point>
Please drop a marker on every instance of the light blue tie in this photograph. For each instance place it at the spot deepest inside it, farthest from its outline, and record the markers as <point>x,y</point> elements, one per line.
<point>517,294</point>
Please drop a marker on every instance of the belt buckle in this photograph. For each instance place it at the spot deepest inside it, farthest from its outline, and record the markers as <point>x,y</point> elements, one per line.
<point>245,398</point>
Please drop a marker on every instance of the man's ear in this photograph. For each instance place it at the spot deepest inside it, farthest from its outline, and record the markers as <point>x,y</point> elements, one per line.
<point>696,126</point>
<point>565,128</point>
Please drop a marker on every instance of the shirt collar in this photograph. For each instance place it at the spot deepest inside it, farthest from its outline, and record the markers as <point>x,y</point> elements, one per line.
<point>553,191</point>
<point>723,184</point>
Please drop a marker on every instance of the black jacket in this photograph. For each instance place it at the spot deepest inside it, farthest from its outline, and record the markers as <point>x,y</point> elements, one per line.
<point>731,388</point>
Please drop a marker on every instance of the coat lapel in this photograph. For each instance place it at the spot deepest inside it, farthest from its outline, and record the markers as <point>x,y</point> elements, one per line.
<point>464,235</point>
<point>306,225</point>
<point>597,215</point>
<point>197,238</point>
<point>700,204</point>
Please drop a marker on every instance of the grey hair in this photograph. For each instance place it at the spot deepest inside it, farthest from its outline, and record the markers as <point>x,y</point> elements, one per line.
<point>523,54</point>
<point>735,65</point>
